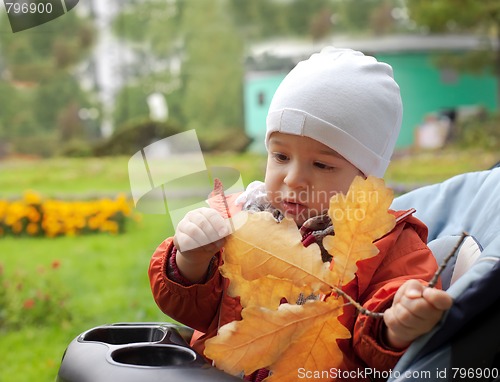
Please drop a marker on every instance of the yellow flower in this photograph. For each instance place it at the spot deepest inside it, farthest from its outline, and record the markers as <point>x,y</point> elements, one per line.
<point>55,217</point>
<point>109,226</point>
<point>33,215</point>
<point>32,229</point>
<point>17,227</point>
<point>32,197</point>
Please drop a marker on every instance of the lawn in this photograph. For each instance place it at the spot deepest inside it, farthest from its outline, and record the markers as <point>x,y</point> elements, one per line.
<point>432,167</point>
<point>90,176</point>
<point>105,276</point>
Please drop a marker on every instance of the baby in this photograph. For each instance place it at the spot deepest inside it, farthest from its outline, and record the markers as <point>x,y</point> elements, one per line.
<point>335,116</point>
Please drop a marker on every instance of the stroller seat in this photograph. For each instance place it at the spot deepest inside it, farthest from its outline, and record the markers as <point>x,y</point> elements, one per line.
<point>465,345</point>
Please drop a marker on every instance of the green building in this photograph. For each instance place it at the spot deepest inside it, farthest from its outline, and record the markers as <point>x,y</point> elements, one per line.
<point>425,88</point>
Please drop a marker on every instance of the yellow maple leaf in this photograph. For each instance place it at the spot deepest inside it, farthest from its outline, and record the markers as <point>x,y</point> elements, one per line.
<point>359,218</point>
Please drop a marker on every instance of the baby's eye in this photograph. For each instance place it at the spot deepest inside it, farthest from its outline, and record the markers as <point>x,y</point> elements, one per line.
<point>323,166</point>
<point>279,157</point>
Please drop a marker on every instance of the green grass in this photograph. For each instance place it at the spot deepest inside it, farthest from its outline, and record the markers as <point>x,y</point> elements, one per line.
<point>77,176</point>
<point>433,167</point>
<point>105,275</point>
<point>59,176</point>
<point>106,279</point>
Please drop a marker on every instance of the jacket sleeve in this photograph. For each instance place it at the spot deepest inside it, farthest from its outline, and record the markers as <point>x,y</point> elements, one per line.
<point>195,305</point>
<point>407,257</point>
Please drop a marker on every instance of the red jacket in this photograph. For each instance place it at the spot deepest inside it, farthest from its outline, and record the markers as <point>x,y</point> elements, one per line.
<point>403,255</point>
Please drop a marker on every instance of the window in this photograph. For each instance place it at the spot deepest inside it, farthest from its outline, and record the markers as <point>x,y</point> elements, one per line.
<point>261,97</point>
<point>449,76</point>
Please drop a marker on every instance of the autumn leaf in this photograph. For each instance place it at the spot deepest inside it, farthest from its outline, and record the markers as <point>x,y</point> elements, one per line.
<point>359,218</point>
<point>266,291</point>
<point>264,335</point>
<point>316,348</point>
<point>262,247</point>
<point>266,261</point>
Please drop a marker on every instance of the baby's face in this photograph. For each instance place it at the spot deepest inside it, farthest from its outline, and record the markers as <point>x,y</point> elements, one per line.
<point>302,175</point>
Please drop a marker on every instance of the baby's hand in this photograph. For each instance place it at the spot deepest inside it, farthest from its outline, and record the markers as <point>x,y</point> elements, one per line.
<point>415,311</point>
<point>198,237</point>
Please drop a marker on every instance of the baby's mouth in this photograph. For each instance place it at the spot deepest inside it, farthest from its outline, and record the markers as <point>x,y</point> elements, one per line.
<point>291,207</point>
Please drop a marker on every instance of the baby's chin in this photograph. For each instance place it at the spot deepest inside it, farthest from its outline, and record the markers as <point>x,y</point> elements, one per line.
<point>299,220</point>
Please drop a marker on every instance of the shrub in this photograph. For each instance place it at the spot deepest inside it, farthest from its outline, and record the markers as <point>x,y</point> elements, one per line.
<point>135,136</point>
<point>43,145</point>
<point>480,131</point>
<point>76,148</point>
<point>230,140</point>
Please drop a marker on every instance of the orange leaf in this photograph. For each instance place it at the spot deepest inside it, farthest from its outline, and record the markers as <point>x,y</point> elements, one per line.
<point>262,247</point>
<point>266,291</point>
<point>264,336</point>
<point>359,218</point>
<point>316,348</point>
<point>266,261</point>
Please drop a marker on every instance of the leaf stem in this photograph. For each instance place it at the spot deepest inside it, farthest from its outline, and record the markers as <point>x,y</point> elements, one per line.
<point>441,268</point>
<point>357,305</point>
<point>431,284</point>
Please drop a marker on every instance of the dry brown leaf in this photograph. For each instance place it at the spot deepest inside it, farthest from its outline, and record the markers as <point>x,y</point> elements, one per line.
<point>359,218</point>
<point>264,335</point>
<point>262,247</point>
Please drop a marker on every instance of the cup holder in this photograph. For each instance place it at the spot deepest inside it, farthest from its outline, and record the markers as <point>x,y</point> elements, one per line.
<point>124,335</point>
<point>131,352</point>
<point>154,355</point>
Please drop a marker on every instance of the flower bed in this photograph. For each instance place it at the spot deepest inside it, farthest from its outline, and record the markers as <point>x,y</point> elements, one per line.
<point>39,299</point>
<point>34,215</point>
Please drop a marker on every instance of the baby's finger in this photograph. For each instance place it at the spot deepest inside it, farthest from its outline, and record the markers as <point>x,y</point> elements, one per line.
<point>205,225</point>
<point>438,298</point>
<point>410,289</point>
<point>190,238</point>
<point>418,307</point>
<point>218,223</point>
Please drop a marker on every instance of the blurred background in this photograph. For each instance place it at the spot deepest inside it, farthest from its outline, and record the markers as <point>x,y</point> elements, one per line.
<point>81,94</point>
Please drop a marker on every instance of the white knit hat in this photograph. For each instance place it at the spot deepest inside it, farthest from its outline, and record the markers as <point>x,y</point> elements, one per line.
<point>345,100</point>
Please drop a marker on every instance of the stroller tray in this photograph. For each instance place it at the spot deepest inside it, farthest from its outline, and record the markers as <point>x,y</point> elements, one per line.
<point>133,352</point>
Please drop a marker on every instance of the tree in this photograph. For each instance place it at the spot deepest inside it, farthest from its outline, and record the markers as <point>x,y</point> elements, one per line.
<point>35,54</point>
<point>38,69</point>
<point>193,55</point>
<point>151,29</point>
<point>151,26</point>
<point>130,103</point>
<point>260,19</point>
<point>213,69</point>
<point>479,17</point>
